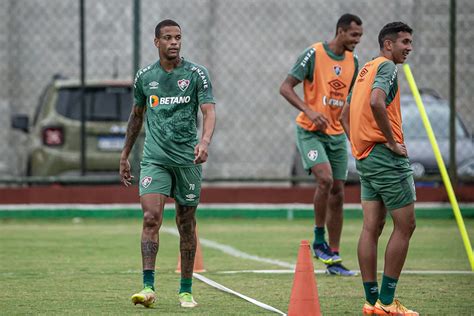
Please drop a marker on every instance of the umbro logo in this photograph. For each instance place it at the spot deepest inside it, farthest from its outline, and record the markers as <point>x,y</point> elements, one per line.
<point>190,197</point>
<point>337,84</point>
<point>153,85</point>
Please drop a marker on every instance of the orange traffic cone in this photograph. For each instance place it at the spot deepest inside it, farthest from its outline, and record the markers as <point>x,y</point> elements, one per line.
<point>304,299</point>
<point>198,260</point>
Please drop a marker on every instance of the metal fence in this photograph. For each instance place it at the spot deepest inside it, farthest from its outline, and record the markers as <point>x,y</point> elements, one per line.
<point>248,47</point>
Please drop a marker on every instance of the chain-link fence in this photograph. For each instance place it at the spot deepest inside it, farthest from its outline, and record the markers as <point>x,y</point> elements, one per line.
<point>248,47</point>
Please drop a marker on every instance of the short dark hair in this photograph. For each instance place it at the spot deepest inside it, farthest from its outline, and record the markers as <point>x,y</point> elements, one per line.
<point>163,24</point>
<point>391,30</point>
<point>345,21</point>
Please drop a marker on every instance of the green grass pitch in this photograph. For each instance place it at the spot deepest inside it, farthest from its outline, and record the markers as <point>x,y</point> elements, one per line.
<point>59,267</point>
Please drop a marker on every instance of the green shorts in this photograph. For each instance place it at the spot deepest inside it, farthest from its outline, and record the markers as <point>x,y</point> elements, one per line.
<point>181,183</point>
<point>387,177</point>
<point>317,147</point>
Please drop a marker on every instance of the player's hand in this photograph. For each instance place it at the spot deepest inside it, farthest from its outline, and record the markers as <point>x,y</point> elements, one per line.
<point>399,149</point>
<point>125,175</point>
<point>200,152</point>
<point>318,119</point>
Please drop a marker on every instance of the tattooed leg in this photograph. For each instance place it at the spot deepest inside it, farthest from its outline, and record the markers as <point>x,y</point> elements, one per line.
<point>152,205</point>
<point>186,223</point>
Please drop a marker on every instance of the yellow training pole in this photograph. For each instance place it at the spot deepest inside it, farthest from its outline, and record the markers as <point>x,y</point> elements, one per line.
<point>442,167</point>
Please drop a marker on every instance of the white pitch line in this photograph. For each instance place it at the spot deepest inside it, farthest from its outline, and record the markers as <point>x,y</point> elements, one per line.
<point>435,272</point>
<point>237,253</point>
<point>421,272</point>
<point>225,289</point>
<point>240,254</point>
<point>232,251</point>
<point>266,271</point>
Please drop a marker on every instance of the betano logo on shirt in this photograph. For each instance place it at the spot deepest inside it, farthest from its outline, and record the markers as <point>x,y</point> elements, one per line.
<point>155,100</point>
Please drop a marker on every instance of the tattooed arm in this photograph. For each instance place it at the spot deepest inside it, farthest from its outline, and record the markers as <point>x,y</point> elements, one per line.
<point>134,127</point>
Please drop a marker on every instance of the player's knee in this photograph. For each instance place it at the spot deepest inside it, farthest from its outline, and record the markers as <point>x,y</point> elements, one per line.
<point>325,183</point>
<point>187,224</point>
<point>373,231</point>
<point>406,228</point>
<point>151,219</point>
<point>185,217</point>
<point>337,194</point>
<point>411,227</point>
<point>187,232</point>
